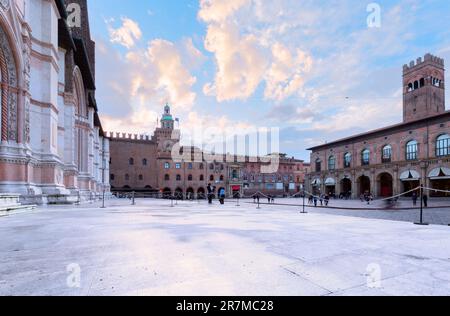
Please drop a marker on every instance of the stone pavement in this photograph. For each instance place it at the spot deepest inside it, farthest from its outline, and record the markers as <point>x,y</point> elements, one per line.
<point>437,214</point>
<point>196,249</point>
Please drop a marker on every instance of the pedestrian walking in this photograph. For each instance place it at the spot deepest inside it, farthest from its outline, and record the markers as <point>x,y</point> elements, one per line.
<point>425,200</point>
<point>414,198</point>
<point>211,189</point>
<point>222,196</point>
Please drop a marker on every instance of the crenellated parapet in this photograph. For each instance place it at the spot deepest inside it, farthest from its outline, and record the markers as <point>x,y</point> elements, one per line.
<point>420,62</point>
<point>127,136</point>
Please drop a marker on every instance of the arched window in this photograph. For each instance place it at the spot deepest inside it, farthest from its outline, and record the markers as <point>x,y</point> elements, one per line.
<point>410,87</point>
<point>416,85</point>
<point>141,177</point>
<point>178,177</point>
<point>190,178</point>
<point>318,165</point>
<point>211,178</point>
<point>412,150</point>
<point>332,163</point>
<point>127,177</point>
<point>387,154</point>
<point>166,165</point>
<point>422,83</point>
<point>131,161</point>
<point>144,162</point>
<point>112,177</point>
<point>443,145</point>
<point>211,167</point>
<point>222,178</point>
<point>202,177</point>
<point>201,167</point>
<point>365,157</point>
<point>347,160</point>
<point>167,177</point>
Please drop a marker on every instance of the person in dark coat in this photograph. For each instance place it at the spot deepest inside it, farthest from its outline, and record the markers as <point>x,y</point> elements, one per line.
<point>211,190</point>
<point>414,198</point>
<point>425,200</point>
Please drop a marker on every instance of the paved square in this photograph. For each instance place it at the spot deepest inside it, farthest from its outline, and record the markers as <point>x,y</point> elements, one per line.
<point>196,249</point>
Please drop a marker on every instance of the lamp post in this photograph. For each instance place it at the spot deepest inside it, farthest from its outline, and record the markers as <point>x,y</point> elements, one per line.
<point>421,223</point>
<point>304,201</point>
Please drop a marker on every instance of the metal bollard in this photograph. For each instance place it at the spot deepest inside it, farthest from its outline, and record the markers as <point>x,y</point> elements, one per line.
<point>133,202</point>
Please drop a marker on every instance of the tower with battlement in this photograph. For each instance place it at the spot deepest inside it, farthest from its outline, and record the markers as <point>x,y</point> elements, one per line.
<point>424,88</point>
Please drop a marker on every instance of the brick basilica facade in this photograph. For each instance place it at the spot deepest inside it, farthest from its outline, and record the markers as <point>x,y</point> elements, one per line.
<point>145,164</point>
<point>398,158</point>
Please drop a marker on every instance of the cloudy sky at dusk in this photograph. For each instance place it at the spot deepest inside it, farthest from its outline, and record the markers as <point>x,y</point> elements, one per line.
<point>313,68</point>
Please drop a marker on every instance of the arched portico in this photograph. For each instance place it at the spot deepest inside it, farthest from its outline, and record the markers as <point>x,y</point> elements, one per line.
<point>364,186</point>
<point>385,184</point>
<point>440,180</point>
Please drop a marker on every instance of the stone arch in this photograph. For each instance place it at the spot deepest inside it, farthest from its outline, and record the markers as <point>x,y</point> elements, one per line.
<point>81,135</point>
<point>363,184</point>
<point>79,93</point>
<point>385,184</point>
<point>11,100</point>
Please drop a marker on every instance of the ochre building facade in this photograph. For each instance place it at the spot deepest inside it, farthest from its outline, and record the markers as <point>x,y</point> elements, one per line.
<point>146,164</point>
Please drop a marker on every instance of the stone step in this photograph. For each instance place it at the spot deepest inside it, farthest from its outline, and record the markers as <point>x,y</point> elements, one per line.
<point>10,210</point>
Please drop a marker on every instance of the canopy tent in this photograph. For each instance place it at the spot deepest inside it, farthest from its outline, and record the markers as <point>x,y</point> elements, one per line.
<point>410,175</point>
<point>316,182</point>
<point>330,182</point>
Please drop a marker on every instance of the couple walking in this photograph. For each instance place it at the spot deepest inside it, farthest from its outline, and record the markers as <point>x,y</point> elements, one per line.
<point>211,190</point>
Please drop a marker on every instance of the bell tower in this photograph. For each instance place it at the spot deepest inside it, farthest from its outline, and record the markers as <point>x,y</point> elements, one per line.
<point>424,88</point>
<point>167,121</point>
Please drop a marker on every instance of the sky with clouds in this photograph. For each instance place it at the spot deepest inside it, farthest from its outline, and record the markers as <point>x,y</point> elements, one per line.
<point>312,68</point>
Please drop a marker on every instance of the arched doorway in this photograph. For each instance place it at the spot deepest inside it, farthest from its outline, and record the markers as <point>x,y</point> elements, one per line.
<point>364,185</point>
<point>385,185</point>
<point>440,180</point>
<point>346,188</point>
<point>190,194</point>
<point>330,187</point>
<point>201,194</point>
<point>179,194</point>
<point>167,193</point>
<point>410,180</point>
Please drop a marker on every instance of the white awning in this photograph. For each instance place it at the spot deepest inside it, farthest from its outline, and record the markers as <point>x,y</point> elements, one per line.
<point>410,175</point>
<point>440,173</point>
<point>330,182</point>
<point>316,182</point>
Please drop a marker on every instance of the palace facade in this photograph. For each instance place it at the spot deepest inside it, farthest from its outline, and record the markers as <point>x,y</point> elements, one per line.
<point>146,164</point>
<point>53,149</point>
<point>394,159</point>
